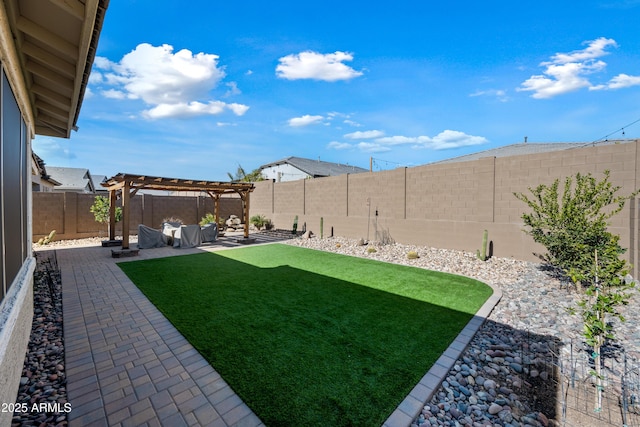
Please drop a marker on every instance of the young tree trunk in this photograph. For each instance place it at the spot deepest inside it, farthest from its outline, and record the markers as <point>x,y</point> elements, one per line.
<point>597,347</point>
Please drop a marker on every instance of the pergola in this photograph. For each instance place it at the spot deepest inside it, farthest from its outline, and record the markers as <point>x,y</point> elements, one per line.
<point>127,185</point>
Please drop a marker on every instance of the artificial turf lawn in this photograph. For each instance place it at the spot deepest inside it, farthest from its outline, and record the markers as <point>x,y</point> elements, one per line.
<point>307,337</point>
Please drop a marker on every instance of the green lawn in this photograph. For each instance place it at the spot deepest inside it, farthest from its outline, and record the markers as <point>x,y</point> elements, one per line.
<point>308,337</point>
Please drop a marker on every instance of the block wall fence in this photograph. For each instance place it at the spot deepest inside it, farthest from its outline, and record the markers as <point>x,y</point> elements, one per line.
<point>69,213</point>
<point>449,205</point>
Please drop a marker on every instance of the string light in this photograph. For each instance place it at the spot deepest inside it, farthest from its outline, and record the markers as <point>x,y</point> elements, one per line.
<point>622,129</point>
<point>375,163</point>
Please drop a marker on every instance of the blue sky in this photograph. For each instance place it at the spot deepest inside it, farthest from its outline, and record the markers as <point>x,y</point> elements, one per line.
<point>193,89</point>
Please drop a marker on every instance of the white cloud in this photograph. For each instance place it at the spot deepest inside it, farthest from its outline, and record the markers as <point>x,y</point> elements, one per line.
<point>95,77</point>
<point>339,145</point>
<point>102,63</point>
<point>366,147</point>
<point>566,72</point>
<point>305,120</point>
<point>619,82</point>
<point>233,89</point>
<point>313,65</point>
<point>447,139</point>
<point>192,109</point>
<point>172,84</point>
<point>372,147</point>
<point>451,139</point>
<point>238,109</point>
<point>369,134</point>
<point>399,140</point>
<point>113,94</point>
<point>499,94</point>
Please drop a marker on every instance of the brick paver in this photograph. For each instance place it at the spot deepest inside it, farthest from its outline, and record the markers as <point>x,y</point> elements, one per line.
<point>126,364</point>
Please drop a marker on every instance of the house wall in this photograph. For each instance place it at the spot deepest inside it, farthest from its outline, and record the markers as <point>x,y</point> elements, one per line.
<point>69,213</point>
<point>16,261</point>
<point>449,205</point>
<point>284,172</point>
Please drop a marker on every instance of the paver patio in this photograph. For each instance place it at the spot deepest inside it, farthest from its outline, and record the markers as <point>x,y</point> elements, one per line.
<point>128,366</point>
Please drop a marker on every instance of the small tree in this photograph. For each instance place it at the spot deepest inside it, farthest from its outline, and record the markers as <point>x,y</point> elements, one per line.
<point>573,229</point>
<point>100,210</point>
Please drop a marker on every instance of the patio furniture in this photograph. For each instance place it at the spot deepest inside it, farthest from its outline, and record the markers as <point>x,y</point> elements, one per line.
<point>190,236</point>
<point>209,232</point>
<point>150,238</point>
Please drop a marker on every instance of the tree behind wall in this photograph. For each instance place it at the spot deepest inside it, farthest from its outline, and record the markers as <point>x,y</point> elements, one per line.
<point>100,210</point>
<point>242,176</point>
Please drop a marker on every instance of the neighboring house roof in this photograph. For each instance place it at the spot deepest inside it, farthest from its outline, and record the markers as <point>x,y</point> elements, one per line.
<point>526,148</point>
<point>41,170</point>
<point>316,168</point>
<point>97,182</point>
<point>53,44</point>
<point>72,179</point>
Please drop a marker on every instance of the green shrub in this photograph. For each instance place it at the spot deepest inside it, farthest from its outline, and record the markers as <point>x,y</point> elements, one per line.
<point>260,221</point>
<point>209,218</point>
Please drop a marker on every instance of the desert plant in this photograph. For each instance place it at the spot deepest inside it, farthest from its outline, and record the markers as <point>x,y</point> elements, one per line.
<point>482,255</point>
<point>413,255</point>
<point>295,225</point>
<point>209,218</point>
<point>100,210</point>
<point>321,226</point>
<point>371,250</point>
<point>172,220</point>
<point>259,221</point>
<point>48,239</point>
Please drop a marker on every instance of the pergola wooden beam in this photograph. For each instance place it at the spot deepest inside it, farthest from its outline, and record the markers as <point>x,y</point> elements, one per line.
<point>129,184</point>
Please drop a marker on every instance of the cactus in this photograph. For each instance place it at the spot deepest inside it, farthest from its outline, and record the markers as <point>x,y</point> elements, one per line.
<point>482,256</point>
<point>48,239</point>
<point>295,225</point>
<point>413,255</point>
<point>371,250</point>
<point>321,226</point>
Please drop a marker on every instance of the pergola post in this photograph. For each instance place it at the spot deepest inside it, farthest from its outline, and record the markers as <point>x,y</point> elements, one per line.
<point>216,208</point>
<point>112,214</point>
<point>216,205</point>
<point>125,215</point>
<point>245,212</point>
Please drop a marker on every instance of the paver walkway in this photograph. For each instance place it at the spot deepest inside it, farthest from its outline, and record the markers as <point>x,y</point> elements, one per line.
<point>127,365</point>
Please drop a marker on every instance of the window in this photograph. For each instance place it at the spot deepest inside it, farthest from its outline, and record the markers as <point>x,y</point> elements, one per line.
<point>13,189</point>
